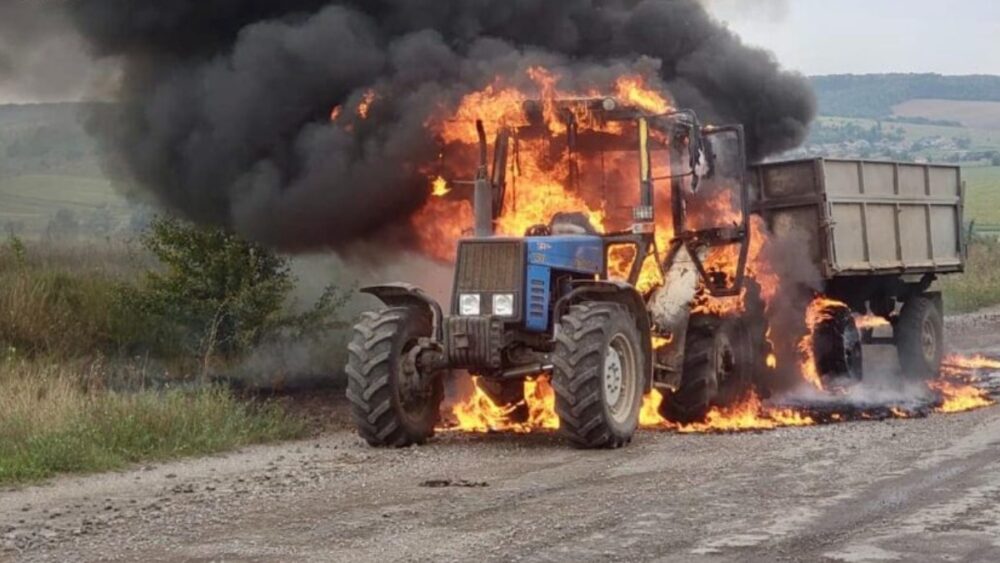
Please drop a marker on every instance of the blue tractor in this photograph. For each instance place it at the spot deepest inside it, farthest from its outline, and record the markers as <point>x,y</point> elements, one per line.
<point>545,304</point>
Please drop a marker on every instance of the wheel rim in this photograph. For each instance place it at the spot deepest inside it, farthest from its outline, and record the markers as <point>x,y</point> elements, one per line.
<point>725,361</point>
<point>928,341</point>
<point>620,380</point>
<point>613,376</point>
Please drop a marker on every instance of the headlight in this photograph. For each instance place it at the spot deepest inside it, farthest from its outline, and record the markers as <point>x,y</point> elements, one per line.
<point>469,305</point>
<point>503,305</point>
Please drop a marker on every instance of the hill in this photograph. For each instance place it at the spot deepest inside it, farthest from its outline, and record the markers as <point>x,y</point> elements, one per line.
<point>875,95</point>
<point>50,175</point>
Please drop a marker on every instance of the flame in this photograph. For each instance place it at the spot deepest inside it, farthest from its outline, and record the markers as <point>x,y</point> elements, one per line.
<point>335,113</point>
<point>870,321</point>
<point>750,414</point>
<point>364,107</point>
<point>959,397</point>
<point>956,383</point>
<point>662,341</point>
<point>972,362</point>
<point>439,187</point>
<point>480,414</point>
<point>772,360</point>
<point>538,183</point>
<point>818,311</point>
<point>634,91</point>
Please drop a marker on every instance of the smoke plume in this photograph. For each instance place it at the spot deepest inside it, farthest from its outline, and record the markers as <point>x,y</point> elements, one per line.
<point>225,104</point>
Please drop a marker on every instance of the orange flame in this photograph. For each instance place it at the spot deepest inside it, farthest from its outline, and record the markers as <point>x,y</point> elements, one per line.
<point>364,107</point>
<point>973,362</point>
<point>750,414</point>
<point>958,397</point>
<point>818,311</point>
<point>870,321</point>
<point>480,414</point>
<point>439,187</point>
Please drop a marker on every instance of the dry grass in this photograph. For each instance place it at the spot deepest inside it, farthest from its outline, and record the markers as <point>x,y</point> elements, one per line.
<point>57,418</point>
<point>74,397</point>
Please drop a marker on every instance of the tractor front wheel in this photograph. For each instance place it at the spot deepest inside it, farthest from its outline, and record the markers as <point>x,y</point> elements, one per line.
<point>597,375</point>
<point>392,404</point>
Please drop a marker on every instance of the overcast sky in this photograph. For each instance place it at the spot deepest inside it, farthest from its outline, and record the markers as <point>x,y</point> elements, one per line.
<point>811,36</point>
<point>867,36</point>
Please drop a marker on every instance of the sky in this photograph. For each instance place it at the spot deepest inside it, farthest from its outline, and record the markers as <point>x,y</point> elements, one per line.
<point>871,36</point>
<point>810,36</point>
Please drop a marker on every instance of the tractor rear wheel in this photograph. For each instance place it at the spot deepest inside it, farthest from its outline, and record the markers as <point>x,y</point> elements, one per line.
<point>919,335</point>
<point>837,346</point>
<point>718,369</point>
<point>391,403</point>
<point>598,375</point>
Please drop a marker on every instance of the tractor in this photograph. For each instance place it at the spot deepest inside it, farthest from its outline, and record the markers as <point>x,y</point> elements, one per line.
<point>545,303</point>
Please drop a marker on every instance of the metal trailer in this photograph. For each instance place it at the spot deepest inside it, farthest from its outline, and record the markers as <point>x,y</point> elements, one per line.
<point>879,234</point>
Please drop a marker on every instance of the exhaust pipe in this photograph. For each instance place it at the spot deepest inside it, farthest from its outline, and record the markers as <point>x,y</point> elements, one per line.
<point>482,201</point>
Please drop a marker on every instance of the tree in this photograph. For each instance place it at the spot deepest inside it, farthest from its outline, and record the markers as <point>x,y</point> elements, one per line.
<point>217,293</point>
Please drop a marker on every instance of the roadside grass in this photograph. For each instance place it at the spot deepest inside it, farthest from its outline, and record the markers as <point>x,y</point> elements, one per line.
<point>58,418</point>
<point>64,302</point>
<point>979,286</point>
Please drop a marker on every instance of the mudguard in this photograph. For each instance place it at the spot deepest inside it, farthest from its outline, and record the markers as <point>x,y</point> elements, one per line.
<point>409,295</point>
<point>619,292</point>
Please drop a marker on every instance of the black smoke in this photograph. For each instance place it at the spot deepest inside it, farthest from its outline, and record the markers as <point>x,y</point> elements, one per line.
<point>224,104</point>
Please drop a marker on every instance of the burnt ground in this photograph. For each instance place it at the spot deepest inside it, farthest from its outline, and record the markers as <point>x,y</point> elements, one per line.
<point>921,489</point>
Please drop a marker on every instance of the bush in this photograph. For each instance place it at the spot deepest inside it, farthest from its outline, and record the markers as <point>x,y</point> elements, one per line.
<point>216,294</point>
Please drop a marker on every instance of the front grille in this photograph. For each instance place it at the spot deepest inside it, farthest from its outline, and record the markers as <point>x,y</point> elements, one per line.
<point>487,268</point>
<point>490,267</point>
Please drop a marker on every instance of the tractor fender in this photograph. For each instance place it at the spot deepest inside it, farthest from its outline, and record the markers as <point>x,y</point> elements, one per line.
<point>619,292</point>
<point>409,295</point>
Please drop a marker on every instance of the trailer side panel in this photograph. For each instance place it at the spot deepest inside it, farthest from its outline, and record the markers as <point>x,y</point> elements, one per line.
<point>866,218</point>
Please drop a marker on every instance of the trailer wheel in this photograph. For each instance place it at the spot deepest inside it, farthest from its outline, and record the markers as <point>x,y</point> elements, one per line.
<point>597,375</point>
<point>919,335</point>
<point>718,369</point>
<point>391,404</point>
<point>837,346</point>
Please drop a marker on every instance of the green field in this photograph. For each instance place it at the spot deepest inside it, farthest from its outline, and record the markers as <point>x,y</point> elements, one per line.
<point>982,185</point>
<point>974,114</point>
<point>982,139</point>
<point>28,203</point>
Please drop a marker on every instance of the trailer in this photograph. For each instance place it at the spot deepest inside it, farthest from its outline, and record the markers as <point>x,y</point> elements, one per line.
<point>879,234</point>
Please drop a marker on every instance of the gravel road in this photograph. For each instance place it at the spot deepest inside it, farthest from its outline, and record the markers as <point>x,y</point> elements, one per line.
<point>923,489</point>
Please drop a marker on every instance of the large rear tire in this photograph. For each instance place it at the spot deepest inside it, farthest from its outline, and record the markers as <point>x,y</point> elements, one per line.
<point>598,375</point>
<point>390,404</point>
<point>920,338</point>
<point>718,369</point>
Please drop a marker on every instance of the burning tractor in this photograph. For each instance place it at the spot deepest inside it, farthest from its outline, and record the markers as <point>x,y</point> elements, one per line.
<point>568,301</point>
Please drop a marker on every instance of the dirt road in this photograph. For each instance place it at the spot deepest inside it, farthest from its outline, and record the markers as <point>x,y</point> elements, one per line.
<point>926,489</point>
